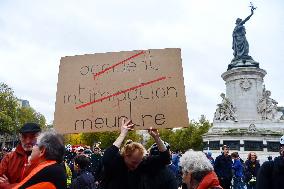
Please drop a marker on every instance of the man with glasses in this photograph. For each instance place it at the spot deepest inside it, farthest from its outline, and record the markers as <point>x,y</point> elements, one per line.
<point>14,166</point>
<point>271,173</point>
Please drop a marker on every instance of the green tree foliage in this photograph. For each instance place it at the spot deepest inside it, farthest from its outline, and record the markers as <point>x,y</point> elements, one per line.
<point>184,138</point>
<point>8,106</point>
<point>105,138</point>
<point>134,136</point>
<point>12,117</point>
<point>165,135</point>
<point>28,114</point>
<point>91,138</point>
<point>179,139</point>
<point>73,139</point>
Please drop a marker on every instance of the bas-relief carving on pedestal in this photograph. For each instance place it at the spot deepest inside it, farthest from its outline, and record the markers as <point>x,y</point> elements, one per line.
<point>252,128</point>
<point>245,84</point>
<point>267,107</point>
<point>226,110</point>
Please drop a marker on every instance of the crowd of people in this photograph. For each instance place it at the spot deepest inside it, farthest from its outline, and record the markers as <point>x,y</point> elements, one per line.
<point>42,161</point>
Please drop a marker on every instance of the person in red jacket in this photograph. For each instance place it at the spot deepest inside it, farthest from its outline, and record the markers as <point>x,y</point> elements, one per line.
<point>198,172</point>
<point>14,166</point>
<point>48,155</point>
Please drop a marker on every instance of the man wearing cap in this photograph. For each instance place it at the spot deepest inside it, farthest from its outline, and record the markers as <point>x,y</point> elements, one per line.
<point>14,166</point>
<point>271,173</point>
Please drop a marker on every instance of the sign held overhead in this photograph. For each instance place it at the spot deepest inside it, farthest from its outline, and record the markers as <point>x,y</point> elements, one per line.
<point>96,91</point>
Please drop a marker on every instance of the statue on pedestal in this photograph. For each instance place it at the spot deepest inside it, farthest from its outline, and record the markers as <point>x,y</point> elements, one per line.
<point>225,110</point>
<point>241,46</point>
<point>240,43</point>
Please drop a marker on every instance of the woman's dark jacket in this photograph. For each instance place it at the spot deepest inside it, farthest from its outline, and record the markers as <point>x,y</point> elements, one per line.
<point>117,175</point>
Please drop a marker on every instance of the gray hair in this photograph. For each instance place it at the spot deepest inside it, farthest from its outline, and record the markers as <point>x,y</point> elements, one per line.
<point>196,163</point>
<point>53,144</point>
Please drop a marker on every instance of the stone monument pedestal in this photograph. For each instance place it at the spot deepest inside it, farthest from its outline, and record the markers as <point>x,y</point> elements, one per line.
<point>244,88</point>
<point>247,119</point>
<point>249,62</point>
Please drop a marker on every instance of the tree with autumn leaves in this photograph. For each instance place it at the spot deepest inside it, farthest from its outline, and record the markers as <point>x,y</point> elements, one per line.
<point>179,139</point>
<point>12,116</point>
<point>182,139</point>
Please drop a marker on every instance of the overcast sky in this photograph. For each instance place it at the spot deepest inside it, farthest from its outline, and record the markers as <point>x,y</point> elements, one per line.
<point>34,35</point>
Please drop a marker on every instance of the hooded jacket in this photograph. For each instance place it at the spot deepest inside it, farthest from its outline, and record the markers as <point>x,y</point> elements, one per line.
<point>210,181</point>
<point>47,175</point>
<point>15,166</point>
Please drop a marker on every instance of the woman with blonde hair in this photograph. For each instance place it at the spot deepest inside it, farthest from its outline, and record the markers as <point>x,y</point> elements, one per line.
<point>125,169</point>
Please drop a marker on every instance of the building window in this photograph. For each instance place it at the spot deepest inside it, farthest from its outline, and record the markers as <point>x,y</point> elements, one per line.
<point>233,144</point>
<point>272,146</point>
<point>214,145</point>
<point>205,145</point>
<point>253,145</point>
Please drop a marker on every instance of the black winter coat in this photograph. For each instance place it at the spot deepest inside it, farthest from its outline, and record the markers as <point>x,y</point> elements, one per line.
<point>251,170</point>
<point>162,178</point>
<point>117,175</point>
<point>223,167</point>
<point>85,180</point>
<point>271,174</point>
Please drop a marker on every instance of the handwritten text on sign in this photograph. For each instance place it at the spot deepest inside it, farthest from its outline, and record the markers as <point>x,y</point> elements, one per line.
<point>96,91</point>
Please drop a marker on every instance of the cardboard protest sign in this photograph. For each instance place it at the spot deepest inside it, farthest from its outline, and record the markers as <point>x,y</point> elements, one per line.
<point>95,91</point>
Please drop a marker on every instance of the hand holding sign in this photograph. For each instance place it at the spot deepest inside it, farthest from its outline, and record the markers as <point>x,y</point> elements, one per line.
<point>126,126</point>
<point>153,132</point>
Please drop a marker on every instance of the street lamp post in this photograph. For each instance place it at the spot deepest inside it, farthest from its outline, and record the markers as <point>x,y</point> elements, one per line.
<point>15,127</point>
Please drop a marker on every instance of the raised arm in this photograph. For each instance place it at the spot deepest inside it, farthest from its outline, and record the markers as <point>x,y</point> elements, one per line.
<point>111,155</point>
<point>126,126</point>
<point>154,133</point>
<point>247,18</point>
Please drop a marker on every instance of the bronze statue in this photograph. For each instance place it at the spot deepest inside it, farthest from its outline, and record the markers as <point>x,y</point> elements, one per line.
<point>240,43</point>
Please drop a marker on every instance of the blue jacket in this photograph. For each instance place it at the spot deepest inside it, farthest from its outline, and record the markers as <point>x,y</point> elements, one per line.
<point>175,159</point>
<point>238,168</point>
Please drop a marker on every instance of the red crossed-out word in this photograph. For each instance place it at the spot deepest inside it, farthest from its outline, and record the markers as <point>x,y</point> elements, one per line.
<point>117,64</point>
<point>121,92</point>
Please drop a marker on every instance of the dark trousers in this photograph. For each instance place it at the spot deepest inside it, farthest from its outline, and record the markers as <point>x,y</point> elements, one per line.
<point>225,183</point>
<point>238,183</point>
<point>251,186</point>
